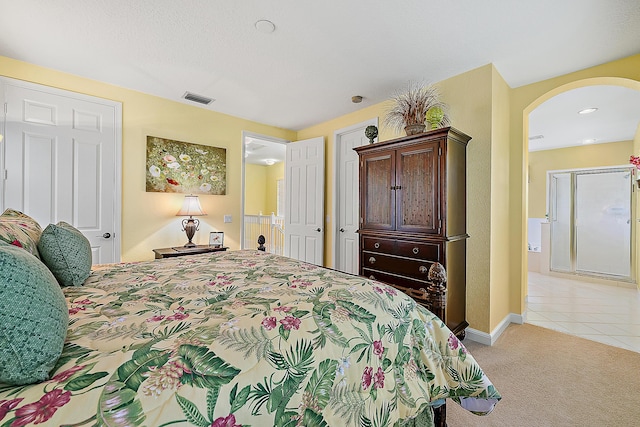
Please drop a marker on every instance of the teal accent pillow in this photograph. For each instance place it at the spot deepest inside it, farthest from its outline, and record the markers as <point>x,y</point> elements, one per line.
<point>67,253</point>
<point>19,229</point>
<point>34,318</point>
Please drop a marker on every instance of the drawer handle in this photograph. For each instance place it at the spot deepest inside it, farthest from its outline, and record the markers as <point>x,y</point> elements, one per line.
<point>372,277</point>
<point>423,269</point>
<point>372,260</point>
<point>376,245</point>
<point>416,250</point>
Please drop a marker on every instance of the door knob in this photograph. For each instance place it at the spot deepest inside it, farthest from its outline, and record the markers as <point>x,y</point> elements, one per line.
<point>318,230</point>
<point>106,235</point>
<point>342,230</point>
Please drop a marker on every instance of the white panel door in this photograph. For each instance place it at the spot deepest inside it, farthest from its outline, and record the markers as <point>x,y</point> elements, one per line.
<point>348,212</point>
<point>304,203</point>
<point>60,155</point>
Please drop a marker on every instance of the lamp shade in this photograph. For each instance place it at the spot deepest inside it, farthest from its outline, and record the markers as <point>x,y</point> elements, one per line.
<point>191,207</point>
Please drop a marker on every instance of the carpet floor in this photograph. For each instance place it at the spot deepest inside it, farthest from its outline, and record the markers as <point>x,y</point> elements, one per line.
<point>547,378</point>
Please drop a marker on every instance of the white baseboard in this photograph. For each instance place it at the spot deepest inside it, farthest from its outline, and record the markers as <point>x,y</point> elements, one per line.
<point>488,339</point>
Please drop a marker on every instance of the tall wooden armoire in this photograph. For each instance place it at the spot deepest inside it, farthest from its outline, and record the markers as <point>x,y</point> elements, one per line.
<point>413,213</point>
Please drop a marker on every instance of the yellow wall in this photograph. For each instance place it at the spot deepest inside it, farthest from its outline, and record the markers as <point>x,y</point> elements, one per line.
<point>261,188</point>
<point>587,156</point>
<point>255,195</point>
<point>469,96</point>
<point>148,219</point>
<point>624,72</point>
<point>500,250</point>
<point>274,173</point>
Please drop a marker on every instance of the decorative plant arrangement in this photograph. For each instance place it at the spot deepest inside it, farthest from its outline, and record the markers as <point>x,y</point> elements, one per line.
<point>635,161</point>
<point>371,132</point>
<point>412,106</point>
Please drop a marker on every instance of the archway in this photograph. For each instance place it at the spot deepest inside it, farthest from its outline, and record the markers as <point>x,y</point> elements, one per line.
<point>610,81</point>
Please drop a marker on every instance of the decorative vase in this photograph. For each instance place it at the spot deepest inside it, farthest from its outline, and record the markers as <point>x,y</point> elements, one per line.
<point>414,129</point>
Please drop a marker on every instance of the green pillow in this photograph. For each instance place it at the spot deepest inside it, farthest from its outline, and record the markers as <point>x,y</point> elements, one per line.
<point>67,253</point>
<point>19,229</point>
<point>33,318</point>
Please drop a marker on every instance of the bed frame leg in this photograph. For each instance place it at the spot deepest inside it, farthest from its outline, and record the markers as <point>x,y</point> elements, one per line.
<point>440,416</point>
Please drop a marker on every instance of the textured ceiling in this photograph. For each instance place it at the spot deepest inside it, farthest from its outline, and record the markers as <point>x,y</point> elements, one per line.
<point>321,52</point>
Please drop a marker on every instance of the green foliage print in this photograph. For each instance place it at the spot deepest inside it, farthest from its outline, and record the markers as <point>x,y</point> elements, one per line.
<point>118,402</point>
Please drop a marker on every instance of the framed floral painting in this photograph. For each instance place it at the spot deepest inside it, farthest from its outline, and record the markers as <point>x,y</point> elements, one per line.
<point>182,167</point>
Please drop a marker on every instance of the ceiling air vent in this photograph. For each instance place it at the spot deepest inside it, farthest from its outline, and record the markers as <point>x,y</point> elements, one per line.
<point>197,98</point>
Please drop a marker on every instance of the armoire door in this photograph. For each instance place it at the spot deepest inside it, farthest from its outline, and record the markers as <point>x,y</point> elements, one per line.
<point>418,188</point>
<point>377,181</point>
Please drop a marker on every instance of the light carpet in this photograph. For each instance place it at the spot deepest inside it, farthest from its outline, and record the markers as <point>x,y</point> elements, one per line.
<point>548,378</point>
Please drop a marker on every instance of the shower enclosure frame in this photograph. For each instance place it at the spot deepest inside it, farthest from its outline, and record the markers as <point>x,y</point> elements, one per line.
<point>565,260</point>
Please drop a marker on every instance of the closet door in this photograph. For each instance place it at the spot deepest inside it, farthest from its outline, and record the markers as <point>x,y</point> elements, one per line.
<point>62,161</point>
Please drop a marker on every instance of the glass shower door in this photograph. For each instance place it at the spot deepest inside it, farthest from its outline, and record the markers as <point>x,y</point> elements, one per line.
<point>603,223</point>
<point>561,222</point>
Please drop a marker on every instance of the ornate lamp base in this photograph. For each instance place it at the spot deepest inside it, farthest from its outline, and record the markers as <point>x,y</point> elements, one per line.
<point>190,226</point>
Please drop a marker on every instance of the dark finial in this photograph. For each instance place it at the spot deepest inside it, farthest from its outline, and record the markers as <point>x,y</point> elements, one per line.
<point>437,273</point>
<point>371,132</point>
<point>261,241</point>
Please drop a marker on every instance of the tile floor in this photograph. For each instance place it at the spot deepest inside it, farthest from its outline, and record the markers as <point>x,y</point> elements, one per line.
<point>607,314</point>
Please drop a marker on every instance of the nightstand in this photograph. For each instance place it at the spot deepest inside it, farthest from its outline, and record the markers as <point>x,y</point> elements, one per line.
<point>182,251</point>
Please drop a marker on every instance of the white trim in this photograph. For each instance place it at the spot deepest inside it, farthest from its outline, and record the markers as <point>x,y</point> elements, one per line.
<point>489,339</point>
<point>117,106</point>
<point>117,202</point>
<point>335,211</point>
<point>246,134</point>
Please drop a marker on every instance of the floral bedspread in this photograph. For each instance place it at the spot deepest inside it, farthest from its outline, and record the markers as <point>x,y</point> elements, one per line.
<point>246,338</point>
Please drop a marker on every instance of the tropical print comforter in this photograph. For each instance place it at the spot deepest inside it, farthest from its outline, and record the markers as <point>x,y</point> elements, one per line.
<point>246,338</point>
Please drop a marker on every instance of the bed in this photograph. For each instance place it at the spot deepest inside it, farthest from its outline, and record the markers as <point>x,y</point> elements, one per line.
<point>242,338</point>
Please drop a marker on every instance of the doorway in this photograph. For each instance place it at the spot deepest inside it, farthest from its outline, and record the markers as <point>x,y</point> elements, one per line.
<point>263,163</point>
<point>622,100</point>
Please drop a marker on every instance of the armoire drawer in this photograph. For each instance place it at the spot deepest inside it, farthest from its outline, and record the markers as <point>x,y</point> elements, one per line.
<point>404,266</point>
<point>429,251</point>
<point>375,244</point>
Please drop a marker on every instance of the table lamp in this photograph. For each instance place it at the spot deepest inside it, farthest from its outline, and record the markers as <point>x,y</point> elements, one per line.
<point>191,207</point>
